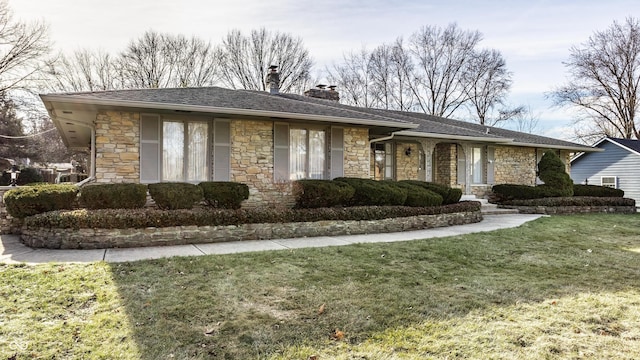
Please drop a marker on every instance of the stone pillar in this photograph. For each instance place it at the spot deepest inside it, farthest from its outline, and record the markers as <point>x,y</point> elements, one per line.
<point>117,147</point>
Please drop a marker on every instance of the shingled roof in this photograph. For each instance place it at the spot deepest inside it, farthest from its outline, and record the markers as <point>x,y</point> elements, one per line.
<point>226,102</point>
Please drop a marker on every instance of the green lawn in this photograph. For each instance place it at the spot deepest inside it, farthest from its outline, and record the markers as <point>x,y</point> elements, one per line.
<point>557,288</point>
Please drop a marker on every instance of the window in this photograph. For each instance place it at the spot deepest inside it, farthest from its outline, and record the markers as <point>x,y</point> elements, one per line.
<point>184,151</point>
<point>307,153</point>
<point>383,157</point>
<point>609,181</point>
<point>477,165</point>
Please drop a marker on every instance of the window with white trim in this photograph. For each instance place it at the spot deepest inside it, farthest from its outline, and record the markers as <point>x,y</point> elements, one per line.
<point>609,181</point>
<point>383,161</point>
<point>478,164</point>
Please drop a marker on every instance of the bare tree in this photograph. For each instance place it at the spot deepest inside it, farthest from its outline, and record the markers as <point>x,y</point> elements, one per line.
<point>245,60</point>
<point>488,83</point>
<point>158,60</point>
<point>23,48</point>
<point>84,70</point>
<point>390,69</point>
<point>355,79</point>
<point>525,121</point>
<point>605,80</point>
<point>442,58</point>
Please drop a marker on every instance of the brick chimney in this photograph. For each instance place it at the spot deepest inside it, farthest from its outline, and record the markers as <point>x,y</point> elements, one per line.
<point>321,93</point>
<point>273,80</point>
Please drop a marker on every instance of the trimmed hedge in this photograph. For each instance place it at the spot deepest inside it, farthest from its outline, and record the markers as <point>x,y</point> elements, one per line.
<point>175,195</point>
<point>139,218</point>
<point>31,200</point>
<point>574,201</point>
<point>113,196</point>
<point>597,191</point>
<point>224,194</point>
<point>322,193</point>
<point>374,193</point>
<point>449,195</point>
<point>418,196</point>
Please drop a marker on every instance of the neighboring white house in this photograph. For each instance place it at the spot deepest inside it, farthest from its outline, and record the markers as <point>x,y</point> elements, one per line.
<point>618,166</point>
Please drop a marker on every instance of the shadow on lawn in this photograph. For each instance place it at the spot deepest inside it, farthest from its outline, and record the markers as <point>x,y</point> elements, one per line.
<point>258,304</point>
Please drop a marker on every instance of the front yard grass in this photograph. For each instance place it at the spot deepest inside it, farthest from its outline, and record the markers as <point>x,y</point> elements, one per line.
<point>564,287</point>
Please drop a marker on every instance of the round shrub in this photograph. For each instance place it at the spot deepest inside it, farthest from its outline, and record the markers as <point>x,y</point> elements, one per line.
<point>449,195</point>
<point>418,196</point>
<point>596,191</point>
<point>374,193</point>
<point>175,195</point>
<point>31,200</point>
<point>224,194</point>
<point>113,196</point>
<point>322,193</point>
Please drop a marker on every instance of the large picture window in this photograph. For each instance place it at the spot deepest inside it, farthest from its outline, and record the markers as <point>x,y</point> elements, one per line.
<point>307,154</point>
<point>184,151</point>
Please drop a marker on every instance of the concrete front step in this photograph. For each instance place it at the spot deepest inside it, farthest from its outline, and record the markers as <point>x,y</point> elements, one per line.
<point>487,208</point>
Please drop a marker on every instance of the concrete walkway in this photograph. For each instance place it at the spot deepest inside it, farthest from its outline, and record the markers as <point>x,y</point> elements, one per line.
<point>12,251</point>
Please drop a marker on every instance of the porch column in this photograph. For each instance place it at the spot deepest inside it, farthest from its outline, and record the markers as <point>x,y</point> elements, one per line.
<point>468,155</point>
<point>428,146</point>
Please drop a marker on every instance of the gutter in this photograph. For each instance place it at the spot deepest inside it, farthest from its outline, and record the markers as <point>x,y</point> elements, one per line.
<point>452,137</point>
<point>561,147</point>
<point>226,111</point>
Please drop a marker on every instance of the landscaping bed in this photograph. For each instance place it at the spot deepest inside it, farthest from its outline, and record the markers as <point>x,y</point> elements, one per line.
<point>85,229</point>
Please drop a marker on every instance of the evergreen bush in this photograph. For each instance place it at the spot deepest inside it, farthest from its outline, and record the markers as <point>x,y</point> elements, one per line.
<point>26,201</point>
<point>322,193</point>
<point>175,195</point>
<point>113,196</point>
<point>224,194</point>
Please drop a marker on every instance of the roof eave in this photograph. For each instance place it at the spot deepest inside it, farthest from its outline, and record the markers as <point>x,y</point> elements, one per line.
<point>52,98</point>
<point>452,137</point>
<point>560,147</point>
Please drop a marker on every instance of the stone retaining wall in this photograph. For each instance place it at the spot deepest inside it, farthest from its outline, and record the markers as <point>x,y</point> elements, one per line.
<point>567,210</point>
<point>8,224</point>
<point>119,238</point>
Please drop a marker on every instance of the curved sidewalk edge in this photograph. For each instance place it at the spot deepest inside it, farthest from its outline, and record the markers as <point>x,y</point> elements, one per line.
<point>12,251</point>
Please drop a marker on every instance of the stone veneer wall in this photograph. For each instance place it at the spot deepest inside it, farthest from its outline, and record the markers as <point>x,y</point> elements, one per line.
<point>117,147</point>
<point>252,163</point>
<point>356,152</point>
<point>446,164</point>
<point>565,210</point>
<point>515,165</point>
<point>110,238</point>
<point>407,166</point>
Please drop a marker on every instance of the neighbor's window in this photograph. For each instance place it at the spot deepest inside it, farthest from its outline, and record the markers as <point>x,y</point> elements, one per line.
<point>184,151</point>
<point>307,154</point>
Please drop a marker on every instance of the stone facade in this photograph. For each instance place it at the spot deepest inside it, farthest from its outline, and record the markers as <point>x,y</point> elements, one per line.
<point>407,165</point>
<point>110,238</point>
<point>515,165</point>
<point>446,158</point>
<point>117,147</point>
<point>356,152</point>
<point>252,163</point>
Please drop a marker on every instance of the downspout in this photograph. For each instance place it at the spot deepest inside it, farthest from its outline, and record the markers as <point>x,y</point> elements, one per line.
<point>92,168</point>
<point>373,141</point>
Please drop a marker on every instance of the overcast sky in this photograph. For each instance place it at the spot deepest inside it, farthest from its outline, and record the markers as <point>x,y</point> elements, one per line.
<point>534,36</point>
